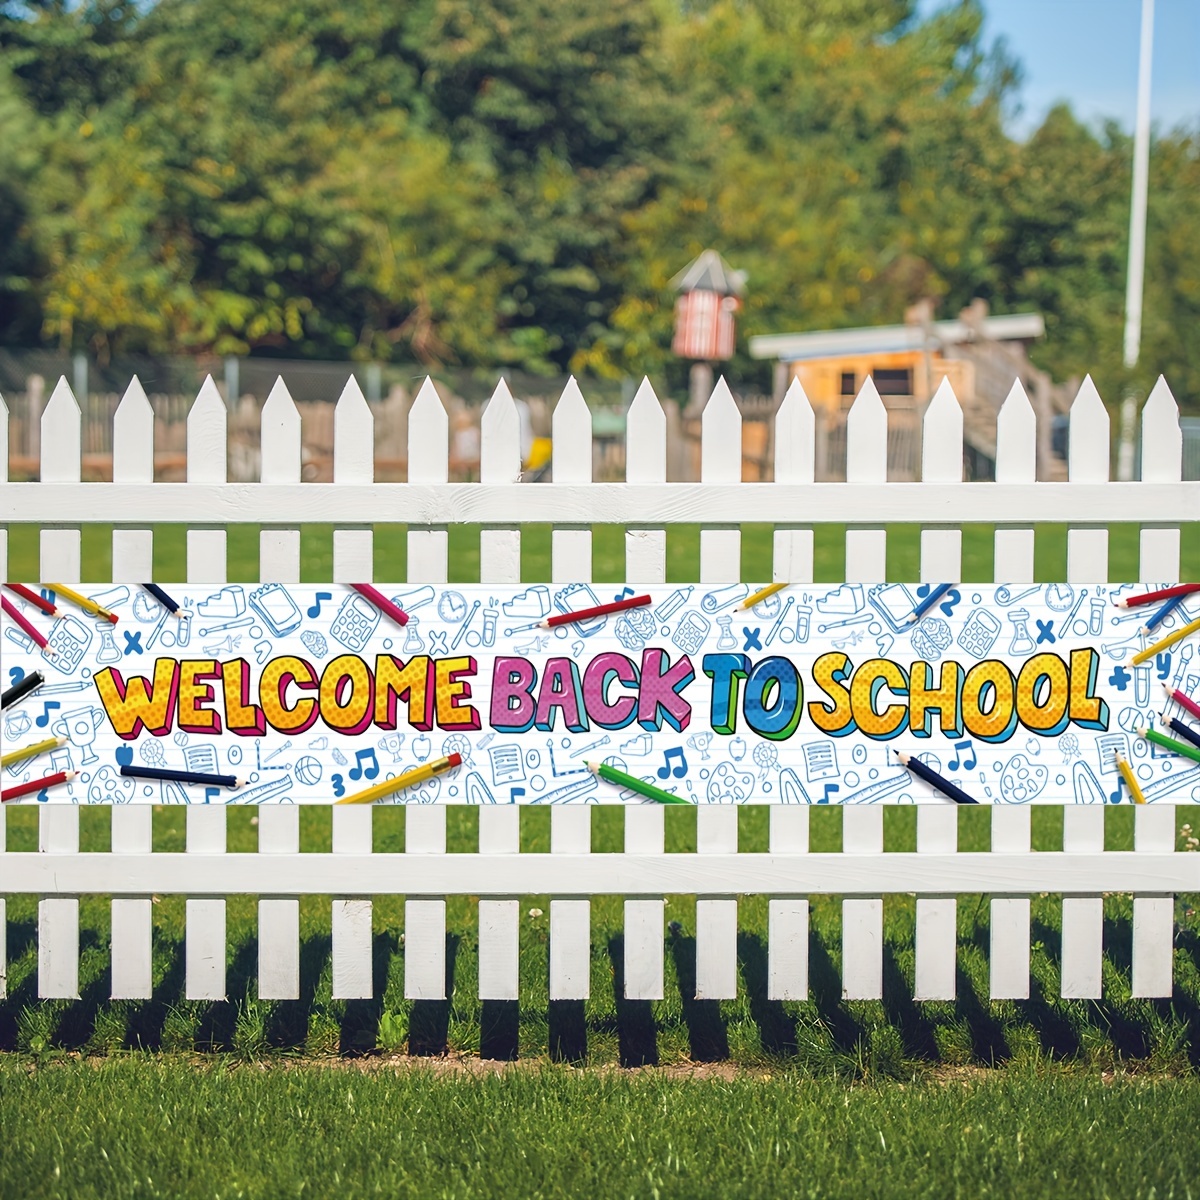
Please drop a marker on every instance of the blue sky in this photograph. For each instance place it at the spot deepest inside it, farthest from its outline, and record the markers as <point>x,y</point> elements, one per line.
<point>1086,52</point>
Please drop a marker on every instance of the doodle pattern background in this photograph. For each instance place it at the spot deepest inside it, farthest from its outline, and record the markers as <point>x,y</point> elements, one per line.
<point>317,622</point>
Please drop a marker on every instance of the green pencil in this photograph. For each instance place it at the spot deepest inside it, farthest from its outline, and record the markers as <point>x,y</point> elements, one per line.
<point>1161,739</point>
<point>634,784</point>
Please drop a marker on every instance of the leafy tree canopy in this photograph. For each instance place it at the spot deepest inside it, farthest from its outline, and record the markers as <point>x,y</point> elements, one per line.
<point>513,182</point>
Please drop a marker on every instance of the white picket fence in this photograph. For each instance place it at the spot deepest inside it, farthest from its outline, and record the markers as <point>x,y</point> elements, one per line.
<point>645,505</point>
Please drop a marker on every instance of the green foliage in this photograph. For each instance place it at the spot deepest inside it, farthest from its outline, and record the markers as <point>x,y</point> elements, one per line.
<point>514,182</point>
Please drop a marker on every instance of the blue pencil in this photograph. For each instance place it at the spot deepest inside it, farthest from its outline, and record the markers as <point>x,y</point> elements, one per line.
<point>931,777</point>
<point>163,599</point>
<point>1162,614</point>
<point>929,601</point>
<point>229,781</point>
<point>1184,731</point>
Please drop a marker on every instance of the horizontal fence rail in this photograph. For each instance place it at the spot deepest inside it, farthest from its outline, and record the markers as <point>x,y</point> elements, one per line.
<point>497,872</point>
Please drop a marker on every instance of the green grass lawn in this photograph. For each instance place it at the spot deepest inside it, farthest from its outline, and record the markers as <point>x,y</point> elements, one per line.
<point>150,1127</point>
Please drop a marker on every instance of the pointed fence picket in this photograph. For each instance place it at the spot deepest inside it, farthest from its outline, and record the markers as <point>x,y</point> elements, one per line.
<point>279,504</point>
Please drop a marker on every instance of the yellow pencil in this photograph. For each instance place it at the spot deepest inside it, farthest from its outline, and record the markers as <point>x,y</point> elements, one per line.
<point>769,590</point>
<point>16,756</point>
<point>1150,651</point>
<point>408,779</point>
<point>1135,792</point>
<point>89,606</point>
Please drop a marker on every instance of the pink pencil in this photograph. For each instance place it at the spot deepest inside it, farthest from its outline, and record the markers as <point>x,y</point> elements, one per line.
<point>1182,700</point>
<point>11,610</point>
<point>381,602</point>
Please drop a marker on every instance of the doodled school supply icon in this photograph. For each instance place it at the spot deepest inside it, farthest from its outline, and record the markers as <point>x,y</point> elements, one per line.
<point>894,603</point>
<point>355,622</point>
<point>277,609</point>
<point>573,598</point>
<point>980,633</point>
<point>66,644</point>
<point>691,631</point>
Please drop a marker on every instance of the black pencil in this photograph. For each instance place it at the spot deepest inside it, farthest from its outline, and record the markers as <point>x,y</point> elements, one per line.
<point>19,691</point>
<point>229,781</point>
<point>931,777</point>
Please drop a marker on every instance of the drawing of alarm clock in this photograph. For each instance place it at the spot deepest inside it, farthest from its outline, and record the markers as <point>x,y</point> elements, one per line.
<point>1059,596</point>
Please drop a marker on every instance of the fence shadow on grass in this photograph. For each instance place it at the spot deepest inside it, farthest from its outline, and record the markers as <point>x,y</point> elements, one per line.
<point>708,1032</point>
<point>146,1020</point>
<point>637,1034</point>
<point>776,1030</point>
<point>359,1033</point>
<point>22,939</point>
<point>218,1020</point>
<point>429,1020</point>
<point>287,1024</point>
<point>499,1029</point>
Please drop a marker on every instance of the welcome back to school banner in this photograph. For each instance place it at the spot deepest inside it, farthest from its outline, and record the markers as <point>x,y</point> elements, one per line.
<point>307,693</point>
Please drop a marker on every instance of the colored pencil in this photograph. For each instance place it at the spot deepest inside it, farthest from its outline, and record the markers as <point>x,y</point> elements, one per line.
<point>1182,699</point>
<point>11,610</point>
<point>600,610</point>
<point>34,785</point>
<point>1179,589</point>
<point>31,751</point>
<point>381,602</point>
<point>201,777</point>
<point>1185,749</point>
<point>409,779</point>
<point>19,691</point>
<point>634,784</point>
<point>27,593</point>
<point>163,599</point>
<point>762,594</point>
<point>929,601</point>
<point>1162,614</point>
<point>1131,783</point>
<point>931,777</point>
<point>1184,731</point>
<point>89,606</point>
<point>1150,651</point>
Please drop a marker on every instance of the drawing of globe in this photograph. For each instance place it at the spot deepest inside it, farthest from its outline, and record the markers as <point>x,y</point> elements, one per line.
<point>308,770</point>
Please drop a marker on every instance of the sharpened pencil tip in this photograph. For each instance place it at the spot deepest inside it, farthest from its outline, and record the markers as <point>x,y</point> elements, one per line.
<point>594,767</point>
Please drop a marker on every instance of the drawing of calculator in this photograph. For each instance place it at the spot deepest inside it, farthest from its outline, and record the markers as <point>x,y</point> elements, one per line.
<point>574,597</point>
<point>69,640</point>
<point>277,609</point>
<point>691,631</point>
<point>894,603</point>
<point>980,632</point>
<point>356,620</point>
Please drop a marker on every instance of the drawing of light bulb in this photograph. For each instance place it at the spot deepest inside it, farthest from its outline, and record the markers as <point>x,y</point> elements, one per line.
<point>701,742</point>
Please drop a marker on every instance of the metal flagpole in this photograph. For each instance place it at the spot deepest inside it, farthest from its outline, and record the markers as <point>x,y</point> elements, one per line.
<point>1137,241</point>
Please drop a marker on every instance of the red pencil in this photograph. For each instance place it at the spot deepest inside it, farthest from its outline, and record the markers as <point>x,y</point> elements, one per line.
<point>34,785</point>
<point>11,610</point>
<point>381,602</point>
<point>29,594</point>
<point>1180,589</point>
<point>1184,701</point>
<point>599,611</point>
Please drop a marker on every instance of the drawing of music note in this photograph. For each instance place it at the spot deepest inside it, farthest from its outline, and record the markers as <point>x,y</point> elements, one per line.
<point>358,771</point>
<point>830,788</point>
<point>16,674</point>
<point>513,793</point>
<point>966,748</point>
<point>314,610</point>
<point>44,720</point>
<point>1115,797</point>
<point>666,769</point>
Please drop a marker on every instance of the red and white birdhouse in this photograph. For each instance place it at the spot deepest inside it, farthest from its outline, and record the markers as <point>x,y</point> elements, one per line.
<point>708,299</point>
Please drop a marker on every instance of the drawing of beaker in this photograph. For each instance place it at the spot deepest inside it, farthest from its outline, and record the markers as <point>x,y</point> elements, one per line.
<point>413,642</point>
<point>109,651</point>
<point>1021,642</point>
<point>726,641</point>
